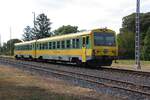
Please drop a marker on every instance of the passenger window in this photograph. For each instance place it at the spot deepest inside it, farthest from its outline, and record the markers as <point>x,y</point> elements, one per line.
<point>50,45</point>
<point>27,47</point>
<point>37,46</point>
<point>58,44</point>
<point>40,46</point>
<point>45,46</point>
<point>63,44</point>
<point>68,43</point>
<point>54,45</point>
<point>33,46</point>
<point>24,47</point>
<point>73,43</point>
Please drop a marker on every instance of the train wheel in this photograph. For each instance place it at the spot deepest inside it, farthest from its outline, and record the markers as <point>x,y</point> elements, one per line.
<point>16,57</point>
<point>78,63</point>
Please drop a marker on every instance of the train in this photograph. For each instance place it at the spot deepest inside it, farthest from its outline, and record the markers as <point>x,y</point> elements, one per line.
<point>96,47</point>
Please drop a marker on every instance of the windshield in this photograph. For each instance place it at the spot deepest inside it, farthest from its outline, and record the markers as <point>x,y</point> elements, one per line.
<point>104,39</point>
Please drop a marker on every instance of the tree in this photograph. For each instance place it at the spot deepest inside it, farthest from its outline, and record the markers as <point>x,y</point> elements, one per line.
<point>128,23</point>
<point>66,30</point>
<point>146,47</point>
<point>4,49</point>
<point>126,44</point>
<point>128,26</point>
<point>42,27</point>
<point>145,22</point>
<point>9,46</point>
<point>28,35</point>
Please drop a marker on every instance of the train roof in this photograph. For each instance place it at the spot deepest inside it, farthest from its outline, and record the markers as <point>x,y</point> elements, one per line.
<point>55,37</point>
<point>60,37</point>
<point>26,42</point>
<point>73,35</point>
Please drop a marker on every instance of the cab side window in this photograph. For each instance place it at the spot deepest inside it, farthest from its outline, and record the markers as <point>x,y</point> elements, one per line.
<point>87,40</point>
<point>83,42</point>
<point>77,43</point>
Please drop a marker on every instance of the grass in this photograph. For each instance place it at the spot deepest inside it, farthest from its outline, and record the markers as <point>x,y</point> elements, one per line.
<point>11,92</point>
<point>130,64</point>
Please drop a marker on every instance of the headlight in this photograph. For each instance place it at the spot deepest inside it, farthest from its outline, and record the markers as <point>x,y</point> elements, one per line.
<point>113,51</point>
<point>105,51</point>
<point>95,52</point>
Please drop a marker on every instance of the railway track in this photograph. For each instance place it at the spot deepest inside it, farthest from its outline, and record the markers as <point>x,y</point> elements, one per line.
<point>116,87</point>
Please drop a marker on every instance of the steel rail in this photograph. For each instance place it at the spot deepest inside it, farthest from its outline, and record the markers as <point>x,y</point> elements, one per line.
<point>127,86</point>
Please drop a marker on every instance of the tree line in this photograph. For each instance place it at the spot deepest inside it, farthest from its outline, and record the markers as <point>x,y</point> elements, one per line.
<point>8,47</point>
<point>41,29</point>
<point>125,38</point>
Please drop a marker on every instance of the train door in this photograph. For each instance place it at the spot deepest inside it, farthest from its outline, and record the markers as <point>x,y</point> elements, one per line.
<point>34,50</point>
<point>84,49</point>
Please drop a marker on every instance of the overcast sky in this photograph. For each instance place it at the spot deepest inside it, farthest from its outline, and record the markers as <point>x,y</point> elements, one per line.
<point>86,14</point>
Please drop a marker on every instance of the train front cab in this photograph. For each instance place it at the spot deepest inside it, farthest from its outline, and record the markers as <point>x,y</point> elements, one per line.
<point>103,48</point>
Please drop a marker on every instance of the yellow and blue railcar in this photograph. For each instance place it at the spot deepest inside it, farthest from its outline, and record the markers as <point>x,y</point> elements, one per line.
<point>97,47</point>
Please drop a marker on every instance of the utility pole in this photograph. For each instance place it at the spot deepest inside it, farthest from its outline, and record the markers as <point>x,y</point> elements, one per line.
<point>34,23</point>
<point>0,45</point>
<point>137,36</point>
<point>34,18</point>
<point>10,42</point>
<point>0,41</point>
<point>36,36</point>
